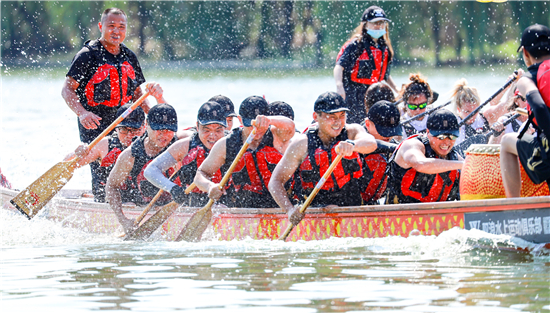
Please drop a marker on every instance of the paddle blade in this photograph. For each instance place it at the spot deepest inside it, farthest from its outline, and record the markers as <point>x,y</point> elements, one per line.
<point>155,221</point>
<point>31,200</point>
<point>197,224</point>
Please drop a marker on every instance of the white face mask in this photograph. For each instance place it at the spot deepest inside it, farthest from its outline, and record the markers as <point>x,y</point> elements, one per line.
<point>376,33</point>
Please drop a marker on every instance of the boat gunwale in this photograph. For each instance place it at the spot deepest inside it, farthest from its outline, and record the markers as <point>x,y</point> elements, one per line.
<point>464,206</point>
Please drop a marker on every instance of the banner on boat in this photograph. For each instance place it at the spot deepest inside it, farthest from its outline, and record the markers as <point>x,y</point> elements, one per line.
<point>530,225</point>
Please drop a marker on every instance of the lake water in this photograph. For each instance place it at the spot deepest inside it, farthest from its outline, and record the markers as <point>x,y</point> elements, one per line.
<point>46,268</point>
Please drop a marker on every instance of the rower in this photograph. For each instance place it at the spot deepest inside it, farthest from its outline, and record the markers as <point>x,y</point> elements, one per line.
<point>312,153</point>
<point>106,152</point>
<point>425,168</point>
<point>189,153</point>
<point>229,113</point>
<point>417,95</point>
<point>533,151</point>
<point>252,174</point>
<point>382,123</point>
<point>467,100</point>
<point>126,182</point>
<point>376,92</point>
<point>4,181</point>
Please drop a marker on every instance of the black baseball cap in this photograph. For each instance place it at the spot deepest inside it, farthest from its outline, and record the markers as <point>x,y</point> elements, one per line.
<point>385,116</point>
<point>212,113</point>
<point>443,122</point>
<point>134,119</point>
<point>226,104</point>
<point>252,107</point>
<point>163,116</point>
<point>536,40</point>
<point>374,14</point>
<point>281,108</point>
<point>330,102</point>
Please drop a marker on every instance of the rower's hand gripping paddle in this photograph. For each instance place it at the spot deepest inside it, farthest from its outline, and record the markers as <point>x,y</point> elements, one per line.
<point>33,198</point>
<point>199,221</point>
<point>313,194</point>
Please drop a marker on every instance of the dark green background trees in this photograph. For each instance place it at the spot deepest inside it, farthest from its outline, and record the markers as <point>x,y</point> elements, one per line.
<point>309,33</point>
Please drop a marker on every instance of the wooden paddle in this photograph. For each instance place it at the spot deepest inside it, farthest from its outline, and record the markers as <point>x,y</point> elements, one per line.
<point>522,111</point>
<point>33,198</point>
<point>148,227</point>
<point>199,221</point>
<point>150,205</point>
<point>313,194</point>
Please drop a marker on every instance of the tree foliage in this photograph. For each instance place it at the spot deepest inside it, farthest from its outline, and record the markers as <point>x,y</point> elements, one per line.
<point>310,32</point>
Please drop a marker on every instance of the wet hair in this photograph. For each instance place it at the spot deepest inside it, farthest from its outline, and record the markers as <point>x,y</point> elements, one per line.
<point>417,85</point>
<point>462,93</point>
<point>376,92</point>
<point>360,33</point>
<point>115,11</point>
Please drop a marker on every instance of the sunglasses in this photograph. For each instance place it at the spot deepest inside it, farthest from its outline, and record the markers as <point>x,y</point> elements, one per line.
<point>417,106</point>
<point>128,130</point>
<point>444,136</point>
<point>520,97</point>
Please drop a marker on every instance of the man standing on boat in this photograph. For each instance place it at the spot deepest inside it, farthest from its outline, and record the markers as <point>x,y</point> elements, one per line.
<point>126,182</point>
<point>109,148</point>
<point>249,181</point>
<point>425,168</point>
<point>533,150</point>
<point>190,153</point>
<point>313,152</point>
<point>104,76</point>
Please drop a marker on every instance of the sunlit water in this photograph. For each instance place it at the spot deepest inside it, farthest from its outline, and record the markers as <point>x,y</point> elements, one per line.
<point>46,267</point>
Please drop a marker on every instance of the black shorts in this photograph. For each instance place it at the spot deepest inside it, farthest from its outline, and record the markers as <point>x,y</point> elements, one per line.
<point>535,161</point>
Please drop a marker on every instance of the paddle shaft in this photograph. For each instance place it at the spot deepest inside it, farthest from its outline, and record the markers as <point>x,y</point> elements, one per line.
<point>485,136</point>
<point>414,118</point>
<point>313,194</point>
<point>191,232</point>
<point>474,112</point>
<point>504,124</point>
<point>157,196</point>
<point>118,120</point>
<point>150,205</point>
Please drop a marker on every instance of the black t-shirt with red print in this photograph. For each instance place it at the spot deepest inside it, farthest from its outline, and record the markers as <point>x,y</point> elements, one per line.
<point>106,82</point>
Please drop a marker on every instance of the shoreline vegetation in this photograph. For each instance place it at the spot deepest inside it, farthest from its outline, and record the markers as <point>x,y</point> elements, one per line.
<point>249,69</point>
<point>268,36</point>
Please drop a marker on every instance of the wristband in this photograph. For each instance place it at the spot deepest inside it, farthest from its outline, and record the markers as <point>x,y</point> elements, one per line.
<point>350,141</point>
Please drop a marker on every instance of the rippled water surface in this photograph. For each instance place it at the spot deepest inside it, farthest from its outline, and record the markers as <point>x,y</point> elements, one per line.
<point>48,268</point>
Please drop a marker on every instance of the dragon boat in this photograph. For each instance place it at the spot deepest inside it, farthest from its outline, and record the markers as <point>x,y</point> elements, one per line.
<point>527,217</point>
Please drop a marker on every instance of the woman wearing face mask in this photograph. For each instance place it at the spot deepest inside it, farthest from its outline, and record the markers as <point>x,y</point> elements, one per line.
<point>364,59</point>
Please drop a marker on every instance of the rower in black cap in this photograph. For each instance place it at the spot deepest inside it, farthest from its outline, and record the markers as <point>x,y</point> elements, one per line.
<point>425,168</point>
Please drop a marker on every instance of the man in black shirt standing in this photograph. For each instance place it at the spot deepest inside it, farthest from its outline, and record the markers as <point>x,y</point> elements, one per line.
<point>104,75</point>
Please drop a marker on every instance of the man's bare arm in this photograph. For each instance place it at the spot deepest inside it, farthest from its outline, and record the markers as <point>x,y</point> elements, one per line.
<point>209,167</point>
<point>364,142</point>
<point>88,119</point>
<point>411,154</point>
<point>117,177</point>
<point>292,159</point>
<point>283,127</point>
